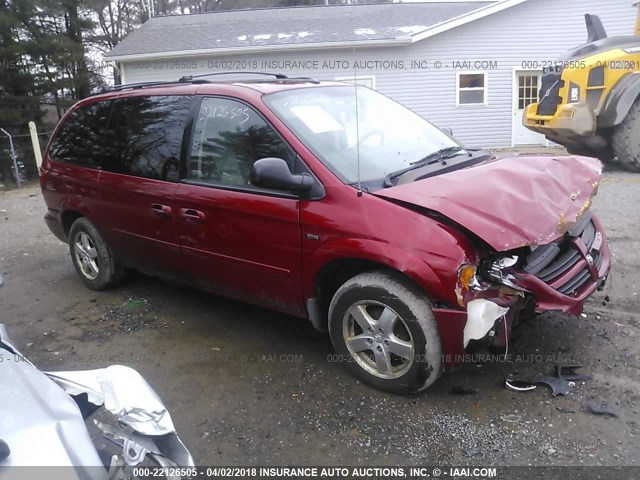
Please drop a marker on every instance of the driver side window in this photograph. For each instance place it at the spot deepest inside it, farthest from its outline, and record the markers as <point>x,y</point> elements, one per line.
<point>228,137</point>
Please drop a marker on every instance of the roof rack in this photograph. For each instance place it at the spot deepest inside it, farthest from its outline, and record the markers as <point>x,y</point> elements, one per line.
<point>117,88</point>
<point>197,79</point>
<point>191,78</point>
<point>277,76</point>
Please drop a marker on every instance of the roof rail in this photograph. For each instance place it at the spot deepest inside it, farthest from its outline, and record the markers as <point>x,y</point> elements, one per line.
<point>117,88</point>
<point>277,76</point>
<point>195,79</point>
<point>191,78</point>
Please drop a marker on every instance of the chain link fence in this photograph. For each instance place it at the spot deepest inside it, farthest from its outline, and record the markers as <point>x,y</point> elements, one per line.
<point>25,158</point>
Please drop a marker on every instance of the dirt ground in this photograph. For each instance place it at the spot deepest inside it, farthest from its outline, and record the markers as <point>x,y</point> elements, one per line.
<point>249,386</point>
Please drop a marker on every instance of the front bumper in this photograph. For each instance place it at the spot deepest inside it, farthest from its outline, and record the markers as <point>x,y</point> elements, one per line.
<point>572,124</point>
<point>557,283</point>
<point>588,272</point>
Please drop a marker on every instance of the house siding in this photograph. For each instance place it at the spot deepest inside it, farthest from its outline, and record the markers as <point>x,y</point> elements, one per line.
<point>536,30</point>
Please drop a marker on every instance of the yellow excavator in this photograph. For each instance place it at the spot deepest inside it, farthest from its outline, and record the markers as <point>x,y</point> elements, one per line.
<point>590,99</point>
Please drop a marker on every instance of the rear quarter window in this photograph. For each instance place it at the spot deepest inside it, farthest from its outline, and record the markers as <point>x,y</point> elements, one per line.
<point>80,139</point>
<point>144,136</point>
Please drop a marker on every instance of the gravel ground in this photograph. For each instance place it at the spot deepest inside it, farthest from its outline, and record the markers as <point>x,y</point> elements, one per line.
<point>251,386</point>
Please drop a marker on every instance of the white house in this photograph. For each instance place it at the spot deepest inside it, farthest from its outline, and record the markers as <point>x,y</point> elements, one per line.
<point>469,65</point>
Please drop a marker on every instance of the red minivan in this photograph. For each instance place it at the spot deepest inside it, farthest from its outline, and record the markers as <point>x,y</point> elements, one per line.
<point>330,202</point>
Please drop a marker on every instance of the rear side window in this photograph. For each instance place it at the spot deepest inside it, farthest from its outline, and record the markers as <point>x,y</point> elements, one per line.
<point>144,136</point>
<point>80,139</point>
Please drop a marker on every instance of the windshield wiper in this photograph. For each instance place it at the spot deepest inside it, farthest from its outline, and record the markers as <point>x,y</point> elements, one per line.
<point>430,159</point>
<point>437,156</point>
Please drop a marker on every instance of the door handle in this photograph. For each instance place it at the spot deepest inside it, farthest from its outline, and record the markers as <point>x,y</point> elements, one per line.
<point>162,210</point>
<point>191,215</point>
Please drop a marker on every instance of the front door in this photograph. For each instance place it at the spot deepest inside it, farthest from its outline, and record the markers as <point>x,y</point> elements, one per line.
<point>237,239</point>
<point>525,91</point>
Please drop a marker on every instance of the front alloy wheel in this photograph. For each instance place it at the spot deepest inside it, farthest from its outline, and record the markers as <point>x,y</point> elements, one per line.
<point>384,332</point>
<point>378,339</point>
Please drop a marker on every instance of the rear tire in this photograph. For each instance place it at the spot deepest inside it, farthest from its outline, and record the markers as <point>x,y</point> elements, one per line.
<point>626,139</point>
<point>384,332</point>
<point>91,256</point>
<point>605,156</point>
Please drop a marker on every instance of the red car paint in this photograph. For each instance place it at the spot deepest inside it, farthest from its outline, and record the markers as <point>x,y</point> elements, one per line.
<point>272,251</point>
<point>517,201</point>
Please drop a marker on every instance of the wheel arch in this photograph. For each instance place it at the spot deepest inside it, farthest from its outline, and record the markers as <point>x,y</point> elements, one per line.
<point>619,101</point>
<point>67,217</point>
<point>70,210</point>
<point>330,273</point>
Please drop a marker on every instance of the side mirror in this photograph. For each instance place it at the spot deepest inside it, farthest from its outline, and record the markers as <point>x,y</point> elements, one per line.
<point>274,173</point>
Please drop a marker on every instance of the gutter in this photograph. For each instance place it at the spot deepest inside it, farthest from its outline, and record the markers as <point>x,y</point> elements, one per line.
<point>395,42</point>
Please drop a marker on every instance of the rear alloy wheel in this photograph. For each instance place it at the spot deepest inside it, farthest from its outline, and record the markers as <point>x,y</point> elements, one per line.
<point>626,139</point>
<point>91,257</point>
<point>384,332</point>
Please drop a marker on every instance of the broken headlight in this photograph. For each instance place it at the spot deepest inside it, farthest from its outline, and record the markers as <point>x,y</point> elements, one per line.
<point>497,270</point>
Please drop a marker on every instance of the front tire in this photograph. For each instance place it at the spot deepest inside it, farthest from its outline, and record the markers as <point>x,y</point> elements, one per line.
<point>91,256</point>
<point>384,332</point>
<point>626,139</point>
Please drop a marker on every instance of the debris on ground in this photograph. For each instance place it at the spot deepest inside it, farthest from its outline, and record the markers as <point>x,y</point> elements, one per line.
<point>511,418</point>
<point>470,452</point>
<point>565,410</point>
<point>568,372</point>
<point>456,390</point>
<point>599,408</point>
<point>138,302</point>
<point>519,385</point>
<point>558,386</point>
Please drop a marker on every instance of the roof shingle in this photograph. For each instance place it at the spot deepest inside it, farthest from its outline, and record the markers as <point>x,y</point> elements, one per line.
<point>338,24</point>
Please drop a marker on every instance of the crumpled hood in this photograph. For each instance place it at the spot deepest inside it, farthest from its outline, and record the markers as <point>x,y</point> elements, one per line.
<point>510,202</point>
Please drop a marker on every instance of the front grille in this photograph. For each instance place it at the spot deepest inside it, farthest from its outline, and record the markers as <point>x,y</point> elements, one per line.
<point>550,91</point>
<point>551,263</point>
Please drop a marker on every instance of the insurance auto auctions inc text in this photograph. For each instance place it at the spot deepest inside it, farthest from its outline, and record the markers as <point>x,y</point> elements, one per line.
<point>378,64</point>
<point>353,472</point>
<point>309,65</point>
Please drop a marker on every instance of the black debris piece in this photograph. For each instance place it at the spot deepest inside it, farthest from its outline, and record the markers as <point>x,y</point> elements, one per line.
<point>599,408</point>
<point>456,390</point>
<point>559,386</point>
<point>565,410</point>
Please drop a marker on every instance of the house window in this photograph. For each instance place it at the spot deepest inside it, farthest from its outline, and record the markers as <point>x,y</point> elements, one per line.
<point>365,80</point>
<point>471,88</point>
<point>527,90</point>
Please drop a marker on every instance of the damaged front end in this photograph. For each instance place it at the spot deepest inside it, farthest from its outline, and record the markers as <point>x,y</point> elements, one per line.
<point>507,286</point>
<point>539,247</point>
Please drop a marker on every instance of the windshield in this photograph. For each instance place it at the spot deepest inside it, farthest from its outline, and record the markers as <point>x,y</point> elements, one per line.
<point>386,136</point>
